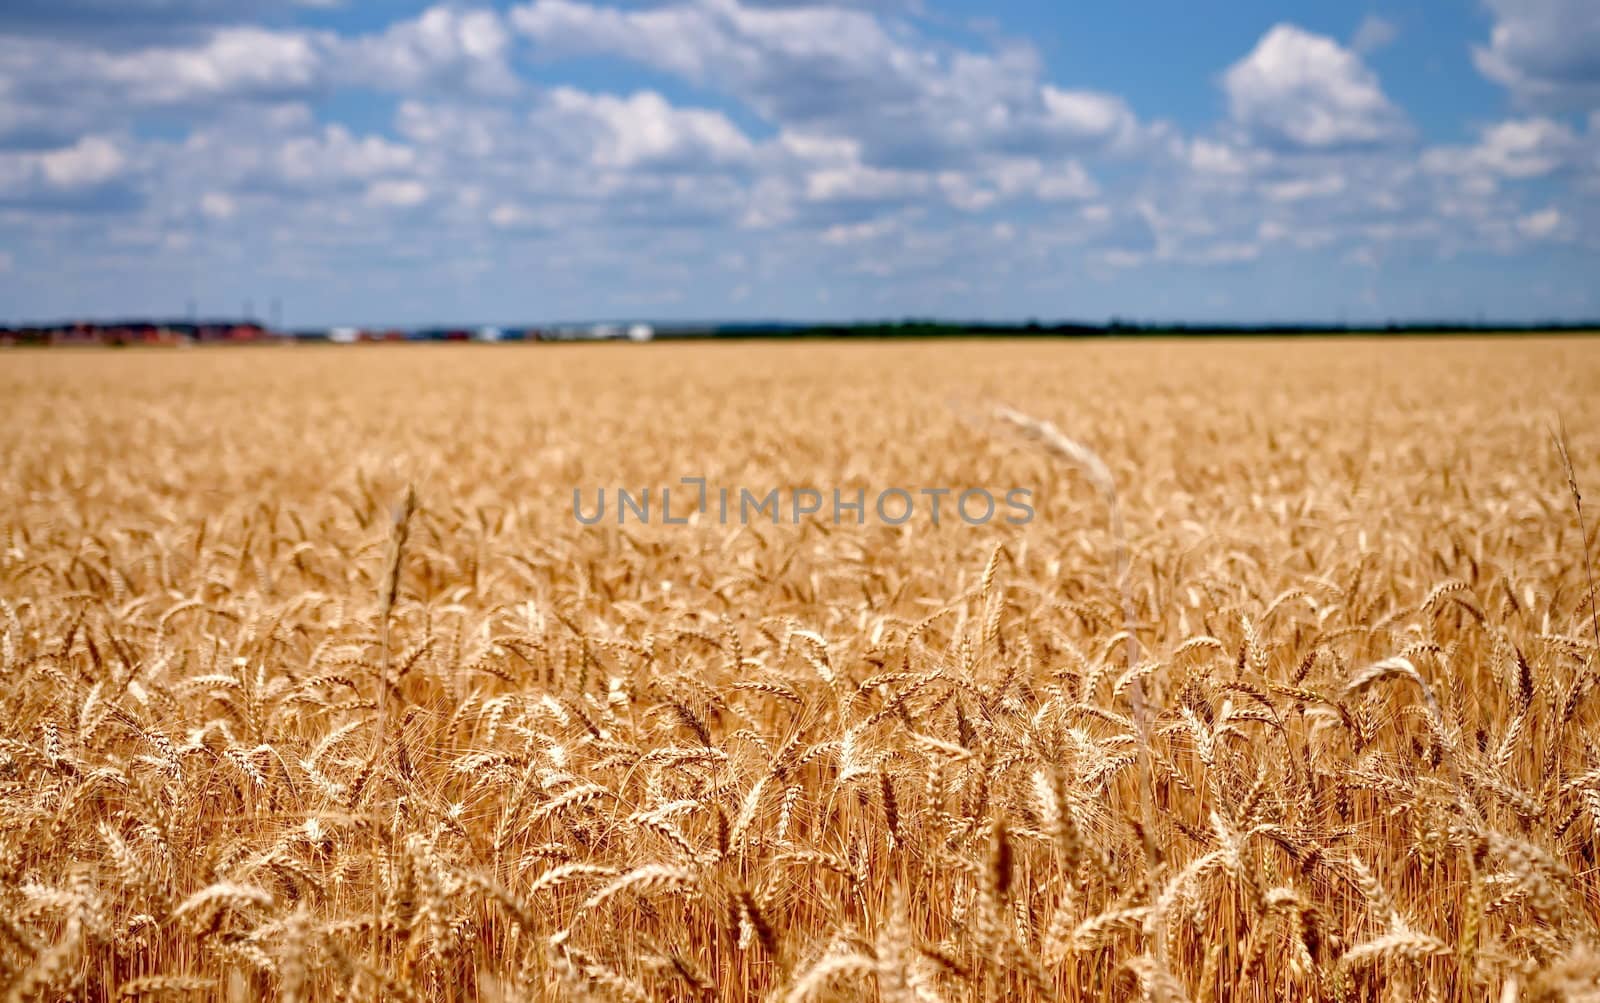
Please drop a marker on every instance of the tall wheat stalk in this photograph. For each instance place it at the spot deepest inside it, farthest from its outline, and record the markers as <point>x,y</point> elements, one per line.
<point>1062,446</point>
<point>1560,437</point>
<point>388,592</point>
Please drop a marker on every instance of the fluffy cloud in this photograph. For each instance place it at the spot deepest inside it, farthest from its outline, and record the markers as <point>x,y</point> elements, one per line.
<point>1246,185</point>
<point>838,72</point>
<point>1214,158</point>
<point>218,205</point>
<point>577,159</point>
<point>281,153</point>
<point>1517,148</point>
<point>1089,118</point>
<point>402,193</point>
<point>859,183</point>
<point>1373,33</point>
<point>232,62</point>
<point>1299,90</point>
<point>54,89</point>
<point>443,47</point>
<point>1540,225</point>
<point>88,174</point>
<point>90,162</point>
<point>1301,189</point>
<point>1547,52</point>
<point>642,130</point>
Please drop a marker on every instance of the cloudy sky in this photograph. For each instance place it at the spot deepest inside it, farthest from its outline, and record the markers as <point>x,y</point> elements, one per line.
<point>396,162</point>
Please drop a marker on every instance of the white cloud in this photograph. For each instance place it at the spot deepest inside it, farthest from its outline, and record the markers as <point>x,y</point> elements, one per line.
<point>396,193</point>
<point>1089,116</point>
<point>1301,189</point>
<point>278,151</point>
<point>442,47</point>
<point>1547,52</point>
<point>1389,198</point>
<point>828,71</point>
<point>594,161</point>
<point>95,173</point>
<point>1225,253</point>
<point>820,148</point>
<point>642,129</point>
<point>863,183</point>
<point>218,205</point>
<point>91,161</point>
<point>508,216</point>
<point>481,132</point>
<point>54,89</point>
<point>857,233</point>
<point>1068,183</point>
<point>1303,235</point>
<point>1299,90</point>
<point>1373,33</point>
<point>233,62</point>
<point>1055,181</point>
<point>57,87</point>
<point>1516,148</point>
<point>333,153</point>
<point>1211,157</point>
<point>1541,224</point>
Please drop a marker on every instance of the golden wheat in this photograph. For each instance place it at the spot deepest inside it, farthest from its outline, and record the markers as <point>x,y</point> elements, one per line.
<point>1284,693</point>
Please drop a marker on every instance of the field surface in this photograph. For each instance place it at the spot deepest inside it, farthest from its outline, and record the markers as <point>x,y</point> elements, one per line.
<point>1317,720</point>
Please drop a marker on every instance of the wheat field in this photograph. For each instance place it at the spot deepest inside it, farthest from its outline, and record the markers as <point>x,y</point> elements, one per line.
<point>1291,698</point>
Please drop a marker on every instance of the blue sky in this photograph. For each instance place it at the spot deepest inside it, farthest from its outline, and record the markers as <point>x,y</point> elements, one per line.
<point>407,162</point>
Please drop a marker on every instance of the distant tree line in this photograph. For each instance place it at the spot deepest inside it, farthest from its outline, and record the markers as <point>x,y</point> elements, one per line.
<point>1116,327</point>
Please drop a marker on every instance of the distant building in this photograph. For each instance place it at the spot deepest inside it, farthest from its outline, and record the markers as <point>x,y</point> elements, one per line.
<point>76,334</point>
<point>228,332</point>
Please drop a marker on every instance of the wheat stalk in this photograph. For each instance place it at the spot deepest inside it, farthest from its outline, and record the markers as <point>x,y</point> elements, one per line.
<point>388,592</point>
<point>1583,532</point>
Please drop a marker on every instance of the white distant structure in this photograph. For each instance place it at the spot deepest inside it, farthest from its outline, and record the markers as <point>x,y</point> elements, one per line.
<point>343,335</point>
<point>637,331</point>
